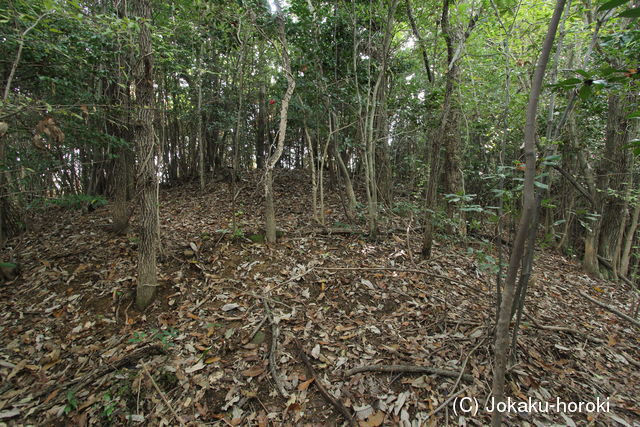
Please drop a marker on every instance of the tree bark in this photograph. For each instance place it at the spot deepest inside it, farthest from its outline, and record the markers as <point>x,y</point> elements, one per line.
<point>270,226</point>
<point>146,150</point>
<point>201,143</point>
<point>448,136</point>
<point>628,241</point>
<point>614,174</point>
<point>504,318</point>
<point>261,133</point>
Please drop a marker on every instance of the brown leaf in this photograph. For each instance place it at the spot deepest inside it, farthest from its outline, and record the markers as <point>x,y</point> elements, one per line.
<point>51,396</point>
<point>305,385</point>
<point>374,420</point>
<point>253,372</point>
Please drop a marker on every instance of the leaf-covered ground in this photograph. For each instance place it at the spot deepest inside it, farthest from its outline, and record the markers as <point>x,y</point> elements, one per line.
<point>74,350</point>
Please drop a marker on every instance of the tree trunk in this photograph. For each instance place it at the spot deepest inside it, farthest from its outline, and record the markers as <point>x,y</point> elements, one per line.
<point>261,133</point>
<point>504,318</point>
<point>201,143</point>
<point>614,173</point>
<point>314,180</point>
<point>270,226</point>
<point>448,135</point>
<point>628,241</point>
<point>348,184</point>
<point>146,150</point>
<point>453,178</point>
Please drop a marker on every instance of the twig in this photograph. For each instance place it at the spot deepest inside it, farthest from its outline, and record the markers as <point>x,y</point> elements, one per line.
<point>273,367</point>
<point>321,388</point>
<point>446,402</point>
<point>408,368</point>
<point>611,309</point>
<point>255,330</point>
<point>402,270</point>
<point>164,398</point>
<point>537,325</point>
<point>466,360</point>
<point>408,244</point>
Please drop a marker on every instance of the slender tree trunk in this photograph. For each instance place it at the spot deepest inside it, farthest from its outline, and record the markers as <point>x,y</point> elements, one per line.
<point>201,142</point>
<point>448,135</point>
<point>147,177</point>
<point>502,327</point>
<point>314,180</point>
<point>261,133</point>
<point>369,137</point>
<point>270,214</point>
<point>628,241</point>
<point>236,131</point>
<point>348,184</point>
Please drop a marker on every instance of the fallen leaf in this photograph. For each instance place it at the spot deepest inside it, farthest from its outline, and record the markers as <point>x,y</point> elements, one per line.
<point>253,372</point>
<point>316,351</point>
<point>305,385</point>
<point>198,366</point>
<point>230,306</point>
<point>374,420</point>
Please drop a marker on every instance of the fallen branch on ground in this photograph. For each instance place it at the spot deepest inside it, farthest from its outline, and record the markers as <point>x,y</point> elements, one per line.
<point>255,330</point>
<point>408,368</point>
<point>612,310</point>
<point>162,396</point>
<point>464,365</point>
<point>446,402</point>
<point>273,351</point>
<point>573,331</point>
<point>323,391</point>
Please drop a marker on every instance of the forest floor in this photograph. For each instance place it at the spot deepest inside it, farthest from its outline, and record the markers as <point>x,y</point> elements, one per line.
<point>74,350</point>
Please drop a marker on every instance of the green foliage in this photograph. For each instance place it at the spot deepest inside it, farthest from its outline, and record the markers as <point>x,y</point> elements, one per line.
<point>72,402</point>
<point>109,405</point>
<point>238,233</point>
<point>165,336</point>
<point>406,209</point>
<point>486,262</point>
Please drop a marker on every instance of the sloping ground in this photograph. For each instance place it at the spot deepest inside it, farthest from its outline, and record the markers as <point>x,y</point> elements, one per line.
<point>74,350</point>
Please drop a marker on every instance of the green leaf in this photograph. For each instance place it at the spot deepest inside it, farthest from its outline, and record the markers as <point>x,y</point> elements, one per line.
<point>584,73</point>
<point>585,92</point>
<point>540,185</point>
<point>634,115</point>
<point>611,4</point>
<point>630,13</point>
